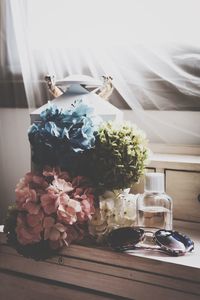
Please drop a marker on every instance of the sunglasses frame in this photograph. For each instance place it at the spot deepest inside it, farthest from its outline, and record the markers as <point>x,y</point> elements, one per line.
<point>141,236</point>
<point>171,251</point>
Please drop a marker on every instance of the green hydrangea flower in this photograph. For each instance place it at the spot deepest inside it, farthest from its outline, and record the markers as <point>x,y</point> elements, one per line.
<point>119,157</point>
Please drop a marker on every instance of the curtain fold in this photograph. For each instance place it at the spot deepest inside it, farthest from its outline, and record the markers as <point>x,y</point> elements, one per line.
<point>148,48</point>
<point>56,37</point>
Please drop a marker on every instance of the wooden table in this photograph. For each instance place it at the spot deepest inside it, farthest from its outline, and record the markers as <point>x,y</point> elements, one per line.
<point>80,272</point>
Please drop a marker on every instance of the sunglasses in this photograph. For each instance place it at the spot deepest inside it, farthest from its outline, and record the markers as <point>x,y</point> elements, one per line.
<point>171,242</point>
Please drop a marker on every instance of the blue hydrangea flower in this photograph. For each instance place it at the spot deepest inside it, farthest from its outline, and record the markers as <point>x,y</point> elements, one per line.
<point>61,134</point>
<point>52,113</point>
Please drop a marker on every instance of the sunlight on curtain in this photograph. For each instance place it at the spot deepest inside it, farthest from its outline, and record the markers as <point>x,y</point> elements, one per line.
<point>113,22</point>
<point>150,48</point>
<point>125,39</point>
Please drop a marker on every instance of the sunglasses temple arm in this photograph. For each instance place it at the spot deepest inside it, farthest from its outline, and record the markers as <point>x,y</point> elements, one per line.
<point>143,248</point>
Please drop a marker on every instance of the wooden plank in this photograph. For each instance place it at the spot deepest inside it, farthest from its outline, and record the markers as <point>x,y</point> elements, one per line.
<point>145,277</point>
<point>114,272</point>
<point>20,288</point>
<point>184,267</point>
<point>99,282</point>
<point>131,274</point>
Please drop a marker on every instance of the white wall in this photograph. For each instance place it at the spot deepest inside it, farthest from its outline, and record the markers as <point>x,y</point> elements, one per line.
<point>14,153</point>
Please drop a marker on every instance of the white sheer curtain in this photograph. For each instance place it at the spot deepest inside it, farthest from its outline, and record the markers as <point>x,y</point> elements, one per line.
<point>126,39</point>
<point>150,47</point>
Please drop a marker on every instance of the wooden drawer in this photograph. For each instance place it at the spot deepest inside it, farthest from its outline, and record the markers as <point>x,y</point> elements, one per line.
<point>184,188</point>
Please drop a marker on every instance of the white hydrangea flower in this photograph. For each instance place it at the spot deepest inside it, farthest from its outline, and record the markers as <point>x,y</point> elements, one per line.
<point>116,209</point>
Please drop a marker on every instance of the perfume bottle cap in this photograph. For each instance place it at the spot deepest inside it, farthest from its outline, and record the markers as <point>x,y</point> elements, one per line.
<point>154,182</point>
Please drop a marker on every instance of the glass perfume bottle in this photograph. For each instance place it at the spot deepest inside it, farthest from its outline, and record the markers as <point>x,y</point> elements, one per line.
<point>154,207</point>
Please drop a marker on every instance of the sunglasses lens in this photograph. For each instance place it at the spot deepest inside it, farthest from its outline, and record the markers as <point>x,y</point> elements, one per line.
<point>174,242</point>
<point>124,238</point>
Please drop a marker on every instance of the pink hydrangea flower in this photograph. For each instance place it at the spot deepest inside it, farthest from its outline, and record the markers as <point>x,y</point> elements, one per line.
<point>52,207</point>
<point>28,234</point>
<point>26,199</point>
<point>35,220</point>
<point>74,233</point>
<point>28,191</point>
<point>37,181</point>
<point>86,198</point>
<point>32,207</point>
<point>55,233</point>
<point>68,209</point>
<point>87,208</point>
<point>57,190</point>
<point>23,195</point>
<point>49,202</point>
<point>61,186</point>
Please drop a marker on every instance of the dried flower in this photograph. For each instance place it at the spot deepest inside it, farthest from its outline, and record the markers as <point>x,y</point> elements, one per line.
<point>60,135</point>
<point>119,157</point>
<point>50,208</point>
<point>55,233</point>
<point>116,209</point>
<point>27,234</point>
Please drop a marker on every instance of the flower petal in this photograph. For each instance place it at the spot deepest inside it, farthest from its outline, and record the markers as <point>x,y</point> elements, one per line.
<point>60,227</point>
<point>54,234</point>
<point>48,222</point>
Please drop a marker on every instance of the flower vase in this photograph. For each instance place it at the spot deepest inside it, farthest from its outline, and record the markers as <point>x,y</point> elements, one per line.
<point>117,209</point>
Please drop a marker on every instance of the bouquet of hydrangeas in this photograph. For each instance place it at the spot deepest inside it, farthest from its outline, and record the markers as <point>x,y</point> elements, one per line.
<point>50,210</point>
<point>79,160</point>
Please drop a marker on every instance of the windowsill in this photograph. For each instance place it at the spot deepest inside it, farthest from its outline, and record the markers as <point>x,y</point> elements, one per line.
<point>191,150</point>
<point>175,161</point>
<point>184,267</point>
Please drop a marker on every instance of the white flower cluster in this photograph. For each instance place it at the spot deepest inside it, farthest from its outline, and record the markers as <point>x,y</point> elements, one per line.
<point>116,209</point>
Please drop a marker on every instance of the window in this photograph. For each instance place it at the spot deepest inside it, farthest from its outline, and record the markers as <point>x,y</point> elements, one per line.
<point>150,48</point>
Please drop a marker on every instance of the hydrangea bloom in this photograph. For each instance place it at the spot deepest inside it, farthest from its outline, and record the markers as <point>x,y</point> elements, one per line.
<point>28,192</point>
<point>116,209</point>
<point>55,233</point>
<point>60,135</point>
<point>51,207</point>
<point>119,156</point>
<point>28,231</point>
<point>68,209</point>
